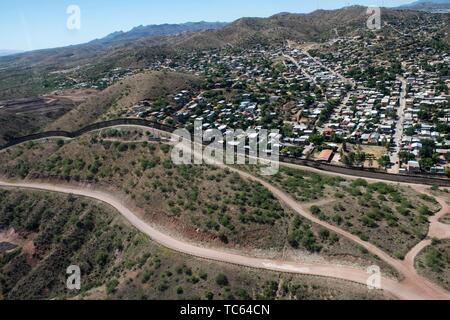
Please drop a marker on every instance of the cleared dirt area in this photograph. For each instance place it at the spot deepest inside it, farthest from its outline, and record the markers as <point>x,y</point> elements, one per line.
<point>75,95</point>
<point>26,116</point>
<point>372,153</point>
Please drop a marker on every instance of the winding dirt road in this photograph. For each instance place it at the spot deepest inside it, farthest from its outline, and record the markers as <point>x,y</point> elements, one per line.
<point>411,278</point>
<point>402,290</point>
<point>412,287</point>
<point>437,230</point>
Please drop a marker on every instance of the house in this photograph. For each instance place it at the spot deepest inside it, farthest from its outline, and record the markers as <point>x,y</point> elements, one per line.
<point>413,167</point>
<point>326,155</point>
<point>327,132</point>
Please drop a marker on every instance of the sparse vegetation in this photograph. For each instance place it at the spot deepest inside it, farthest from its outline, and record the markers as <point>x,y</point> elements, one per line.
<point>434,263</point>
<point>393,218</point>
<point>117,262</point>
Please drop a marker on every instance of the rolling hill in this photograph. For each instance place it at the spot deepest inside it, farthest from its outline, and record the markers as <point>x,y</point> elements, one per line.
<point>125,94</point>
<point>4,53</point>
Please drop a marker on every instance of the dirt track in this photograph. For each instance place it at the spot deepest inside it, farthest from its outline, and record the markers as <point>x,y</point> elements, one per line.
<point>403,290</point>
<point>413,286</point>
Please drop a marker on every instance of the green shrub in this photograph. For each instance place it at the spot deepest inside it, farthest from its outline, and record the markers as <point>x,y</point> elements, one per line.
<point>209,295</point>
<point>112,286</point>
<point>315,210</point>
<point>222,280</point>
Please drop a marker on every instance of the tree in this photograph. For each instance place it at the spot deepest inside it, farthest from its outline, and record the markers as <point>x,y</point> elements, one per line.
<point>222,280</point>
<point>360,158</point>
<point>315,210</point>
<point>426,163</point>
<point>384,161</point>
<point>428,147</point>
<point>406,156</point>
<point>317,139</point>
<point>349,159</point>
<point>447,172</point>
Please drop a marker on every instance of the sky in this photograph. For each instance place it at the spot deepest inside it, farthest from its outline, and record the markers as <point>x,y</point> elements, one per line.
<point>37,24</point>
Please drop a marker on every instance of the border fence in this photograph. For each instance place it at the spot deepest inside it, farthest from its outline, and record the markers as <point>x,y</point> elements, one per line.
<point>351,171</point>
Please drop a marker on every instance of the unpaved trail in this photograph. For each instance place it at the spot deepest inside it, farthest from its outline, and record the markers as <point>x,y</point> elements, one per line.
<point>413,286</point>
<point>402,290</point>
<point>437,230</point>
<point>411,277</point>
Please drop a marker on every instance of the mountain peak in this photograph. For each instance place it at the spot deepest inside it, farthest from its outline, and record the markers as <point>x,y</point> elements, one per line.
<point>155,30</point>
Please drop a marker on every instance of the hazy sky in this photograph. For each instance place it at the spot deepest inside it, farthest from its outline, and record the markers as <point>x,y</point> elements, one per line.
<point>37,24</point>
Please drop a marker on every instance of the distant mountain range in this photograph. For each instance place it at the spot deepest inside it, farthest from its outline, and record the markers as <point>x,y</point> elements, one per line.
<point>143,46</point>
<point>429,5</point>
<point>159,30</point>
<point>8,52</point>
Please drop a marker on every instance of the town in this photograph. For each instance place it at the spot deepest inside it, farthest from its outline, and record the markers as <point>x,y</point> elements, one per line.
<point>377,100</point>
<point>372,101</point>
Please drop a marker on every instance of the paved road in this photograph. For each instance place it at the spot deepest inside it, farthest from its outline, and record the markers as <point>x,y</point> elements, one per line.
<point>309,76</point>
<point>395,157</point>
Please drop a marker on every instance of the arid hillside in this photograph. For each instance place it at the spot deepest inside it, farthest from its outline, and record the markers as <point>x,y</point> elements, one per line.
<point>41,234</point>
<point>26,116</point>
<point>123,95</point>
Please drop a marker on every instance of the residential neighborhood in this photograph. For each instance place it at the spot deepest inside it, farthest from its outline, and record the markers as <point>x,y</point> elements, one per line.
<point>356,96</point>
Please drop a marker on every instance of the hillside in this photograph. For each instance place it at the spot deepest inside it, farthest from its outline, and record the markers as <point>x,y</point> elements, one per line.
<point>123,95</point>
<point>429,5</point>
<point>26,116</point>
<point>316,26</point>
<point>33,73</point>
<point>41,234</point>
<point>4,53</point>
<point>183,200</point>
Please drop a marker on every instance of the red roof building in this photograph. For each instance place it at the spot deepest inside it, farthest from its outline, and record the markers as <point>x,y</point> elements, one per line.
<point>326,155</point>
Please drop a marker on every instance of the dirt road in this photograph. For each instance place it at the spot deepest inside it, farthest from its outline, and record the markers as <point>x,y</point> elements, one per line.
<point>413,286</point>
<point>437,230</point>
<point>403,290</point>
